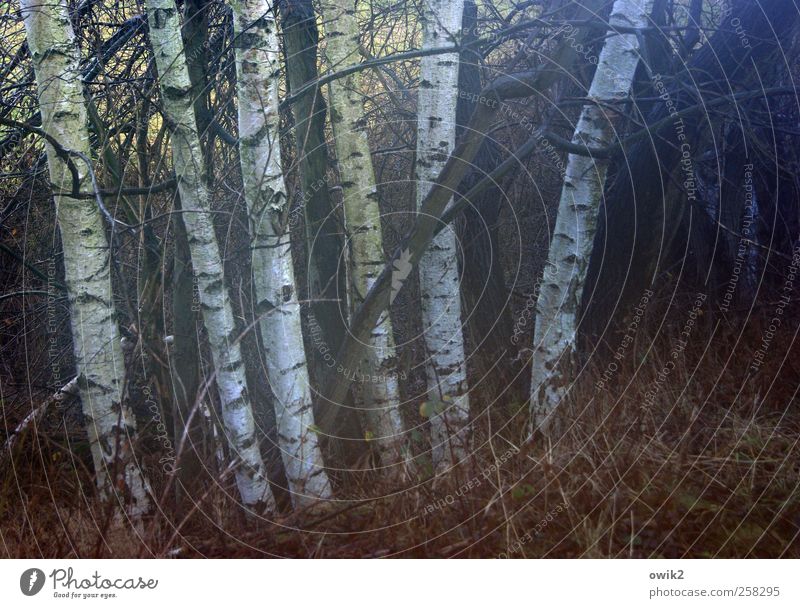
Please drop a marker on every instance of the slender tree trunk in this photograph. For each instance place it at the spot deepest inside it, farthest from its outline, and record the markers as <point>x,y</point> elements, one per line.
<point>237,412</point>
<point>439,277</point>
<point>558,305</point>
<point>380,387</point>
<point>87,263</point>
<point>184,360</point>
<point>323,228</point>
<point>195,39</point>
<point>435,214</point>
<point>185,354</point>
<point>182,355</point>
<point>484,294</point>
<point>257,70</point>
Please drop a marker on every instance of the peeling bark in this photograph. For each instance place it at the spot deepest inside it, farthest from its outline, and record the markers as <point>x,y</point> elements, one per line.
<point>558,304</point>
<point>439,277</point>
<point>87,264</point>
<point>237,411</point>
<point>380,390</point>
<point>433,214</point>
<point>277,306</point>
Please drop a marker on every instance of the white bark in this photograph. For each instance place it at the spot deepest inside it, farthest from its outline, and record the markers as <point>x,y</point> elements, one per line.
<point>237,414</point>
<point>98,356</point>
<point>71,388</point>
<point>438,269</point>
<point>559,297</point>
<point>257,70</point>
<point>378,372</point>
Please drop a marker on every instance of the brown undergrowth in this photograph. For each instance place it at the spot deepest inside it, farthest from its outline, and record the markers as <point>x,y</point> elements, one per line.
<point>700,462</point>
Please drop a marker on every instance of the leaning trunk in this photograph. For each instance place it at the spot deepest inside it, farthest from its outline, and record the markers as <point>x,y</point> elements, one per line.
<point>237,412</point>
<point>438,270</point>
<point>276,307</point>
<point>87,262</point>
<point>559,298</point>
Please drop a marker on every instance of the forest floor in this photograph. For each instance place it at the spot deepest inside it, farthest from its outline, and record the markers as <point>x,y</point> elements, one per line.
<point>702,461</point>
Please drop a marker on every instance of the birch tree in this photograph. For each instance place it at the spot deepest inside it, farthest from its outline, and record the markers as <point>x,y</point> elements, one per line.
<point>558,303</point>
<point>380,390</point>
<point>437,211</point>
<point>438,270</point>
<point>237,413</point>
<point>99,361</point>
<point>257,71</point>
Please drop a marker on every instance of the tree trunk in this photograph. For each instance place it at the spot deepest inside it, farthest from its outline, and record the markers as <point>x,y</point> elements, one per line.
<point>558,304</point>
<point>380,390</point>
<point>439,277</point>
<point>484,294</point>
<point>184,361</point>
<point>196,46</point>
<point>237,412</point>
<point>87,263</point>
<point>434,216</point>
<point>647,221</point>
<point>323,228</point>
<point>276,305</point>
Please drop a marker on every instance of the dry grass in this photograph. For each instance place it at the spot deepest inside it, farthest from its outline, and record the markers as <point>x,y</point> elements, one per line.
<point>710,469</point>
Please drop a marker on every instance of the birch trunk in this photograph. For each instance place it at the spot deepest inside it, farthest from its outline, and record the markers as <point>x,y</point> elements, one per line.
<point>438,269</point>
<point>378,371</point>
<point>237,412</point>
<point>87,266</point>
<point>558,304</point>
<point>257,71</point>
<point>433,214</point>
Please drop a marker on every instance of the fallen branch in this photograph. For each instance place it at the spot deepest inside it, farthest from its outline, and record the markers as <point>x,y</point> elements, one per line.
<point>70,389</point>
